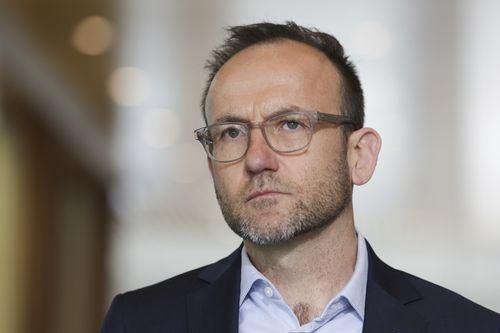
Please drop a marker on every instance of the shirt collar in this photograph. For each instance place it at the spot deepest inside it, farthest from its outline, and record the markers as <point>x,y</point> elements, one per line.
<point>354,291</point>
<point>249,275</point>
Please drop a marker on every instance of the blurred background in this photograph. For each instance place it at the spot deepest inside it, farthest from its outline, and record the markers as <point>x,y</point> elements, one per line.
<point>103,189</point>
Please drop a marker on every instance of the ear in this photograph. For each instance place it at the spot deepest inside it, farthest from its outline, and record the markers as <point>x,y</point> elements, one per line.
<point>363,149</point>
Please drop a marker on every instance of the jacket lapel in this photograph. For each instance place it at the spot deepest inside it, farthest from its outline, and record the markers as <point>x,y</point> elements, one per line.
<point>214,308</point>
<point>387,294</point>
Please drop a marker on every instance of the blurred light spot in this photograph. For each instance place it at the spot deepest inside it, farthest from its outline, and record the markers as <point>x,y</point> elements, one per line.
<point>93,35</point>
<point>371,40</point>
<point>187,162</point>
<point>128,86</point>
<point>160,128</point>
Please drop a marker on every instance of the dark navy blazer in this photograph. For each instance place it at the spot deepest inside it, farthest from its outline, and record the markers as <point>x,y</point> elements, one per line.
<point>206,300</point>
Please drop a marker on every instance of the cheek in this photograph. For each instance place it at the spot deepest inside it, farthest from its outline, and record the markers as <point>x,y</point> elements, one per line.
<point>226,178</point>
<point>299,171</point>
<point>316,163</point>
<point>327,147</point>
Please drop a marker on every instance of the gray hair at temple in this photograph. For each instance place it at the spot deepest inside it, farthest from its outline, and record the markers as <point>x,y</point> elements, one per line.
<point>244,36</point>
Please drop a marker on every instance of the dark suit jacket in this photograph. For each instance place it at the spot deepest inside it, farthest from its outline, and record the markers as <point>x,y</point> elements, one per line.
<point>206,300</point>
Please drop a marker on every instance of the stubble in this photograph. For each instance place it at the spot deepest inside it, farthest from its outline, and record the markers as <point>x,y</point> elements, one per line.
<point>318,201</point>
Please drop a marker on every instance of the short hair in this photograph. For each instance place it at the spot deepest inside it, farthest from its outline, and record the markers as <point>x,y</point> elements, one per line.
<point>243,36</point>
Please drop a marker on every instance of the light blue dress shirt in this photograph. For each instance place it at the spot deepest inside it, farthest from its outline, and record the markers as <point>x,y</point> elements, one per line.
<point>262,309</point>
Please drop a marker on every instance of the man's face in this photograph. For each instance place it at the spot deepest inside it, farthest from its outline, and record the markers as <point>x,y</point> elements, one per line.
<point>267,197</point>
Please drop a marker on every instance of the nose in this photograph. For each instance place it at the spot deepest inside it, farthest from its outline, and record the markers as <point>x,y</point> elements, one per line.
<point>260,157</point>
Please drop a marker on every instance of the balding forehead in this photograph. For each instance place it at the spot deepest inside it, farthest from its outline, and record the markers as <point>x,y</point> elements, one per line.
<point>264,67</point>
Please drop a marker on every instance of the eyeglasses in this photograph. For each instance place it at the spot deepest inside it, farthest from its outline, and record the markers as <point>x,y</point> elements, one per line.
<point>286,132</point>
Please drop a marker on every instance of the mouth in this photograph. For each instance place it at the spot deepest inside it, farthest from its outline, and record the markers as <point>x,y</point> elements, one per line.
<point>264,194</point>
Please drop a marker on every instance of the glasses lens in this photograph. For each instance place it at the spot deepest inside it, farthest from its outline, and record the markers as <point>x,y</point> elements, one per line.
<point>288,132</point>
<point>226,142</point>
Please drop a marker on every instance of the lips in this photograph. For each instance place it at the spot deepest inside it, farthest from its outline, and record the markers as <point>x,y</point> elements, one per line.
<point>263,193</point>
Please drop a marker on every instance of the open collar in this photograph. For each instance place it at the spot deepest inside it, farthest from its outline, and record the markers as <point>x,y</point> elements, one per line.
<point>214,307</point>
<point>354,291</point>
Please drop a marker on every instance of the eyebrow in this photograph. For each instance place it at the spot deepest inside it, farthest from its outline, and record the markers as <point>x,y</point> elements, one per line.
<point>229,118</point>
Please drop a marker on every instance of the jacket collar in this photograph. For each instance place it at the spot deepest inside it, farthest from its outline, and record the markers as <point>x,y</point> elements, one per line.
<point>387,294</point>
<point>214,307</point>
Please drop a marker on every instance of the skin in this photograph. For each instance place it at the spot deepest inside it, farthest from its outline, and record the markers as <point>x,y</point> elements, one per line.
<point>269,189</point>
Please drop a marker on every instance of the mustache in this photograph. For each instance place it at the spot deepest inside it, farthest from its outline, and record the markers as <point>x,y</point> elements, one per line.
<point>268,182</point>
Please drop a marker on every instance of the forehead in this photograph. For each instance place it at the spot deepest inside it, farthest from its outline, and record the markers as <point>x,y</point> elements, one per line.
<point>264,78</point>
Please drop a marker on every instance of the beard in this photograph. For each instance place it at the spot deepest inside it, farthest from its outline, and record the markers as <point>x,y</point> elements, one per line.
<point>321,198</point>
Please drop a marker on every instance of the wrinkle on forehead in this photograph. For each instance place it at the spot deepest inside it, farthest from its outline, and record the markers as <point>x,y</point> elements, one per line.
<point>270,112</point>
<point>265,77</point>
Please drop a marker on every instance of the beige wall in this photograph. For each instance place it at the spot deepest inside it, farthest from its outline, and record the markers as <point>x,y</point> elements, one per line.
<point>12,232</point>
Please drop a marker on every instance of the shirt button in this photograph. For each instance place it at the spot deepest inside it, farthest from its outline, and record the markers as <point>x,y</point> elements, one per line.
<point>268,291</point>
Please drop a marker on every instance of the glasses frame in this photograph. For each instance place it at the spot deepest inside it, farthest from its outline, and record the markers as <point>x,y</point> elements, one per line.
<point>200,134</point>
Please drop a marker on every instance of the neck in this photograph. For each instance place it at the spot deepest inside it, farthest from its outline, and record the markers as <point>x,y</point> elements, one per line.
<point>311,269</point>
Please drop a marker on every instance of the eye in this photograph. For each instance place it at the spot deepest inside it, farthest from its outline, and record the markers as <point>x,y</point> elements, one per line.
<point>231,132</point>
<point>291,124</point>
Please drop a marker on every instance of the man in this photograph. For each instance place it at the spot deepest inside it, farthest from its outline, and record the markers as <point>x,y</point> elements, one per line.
<point>285,144</point>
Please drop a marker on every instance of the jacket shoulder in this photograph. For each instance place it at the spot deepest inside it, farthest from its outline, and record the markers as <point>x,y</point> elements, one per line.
<point>145,309</point>
<point>435,307</point>
<point>148,309</point>
<point>171,288</point>
<point>451,309</point>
